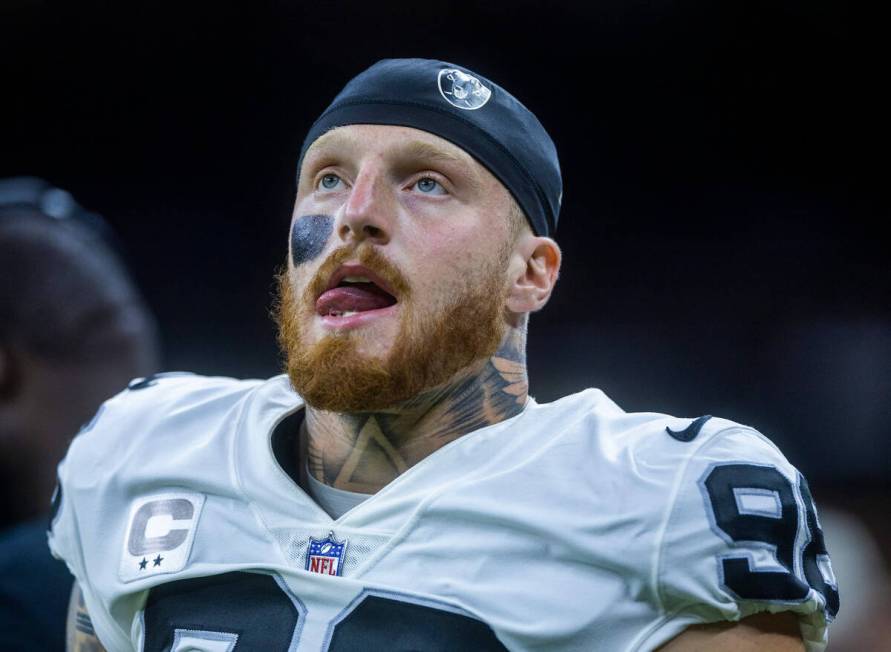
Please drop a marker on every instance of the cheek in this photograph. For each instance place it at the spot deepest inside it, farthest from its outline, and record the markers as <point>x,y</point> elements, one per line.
<point>446,269</point>
<point>459,252</point>
<point>309,235</point>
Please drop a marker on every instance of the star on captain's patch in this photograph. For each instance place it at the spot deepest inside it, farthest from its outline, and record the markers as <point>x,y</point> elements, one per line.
<point>513,373</point>
<point>143,564</point>
<point>157,560</point>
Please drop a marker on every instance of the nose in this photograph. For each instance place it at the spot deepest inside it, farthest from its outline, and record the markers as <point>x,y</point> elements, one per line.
<point>368,211</point>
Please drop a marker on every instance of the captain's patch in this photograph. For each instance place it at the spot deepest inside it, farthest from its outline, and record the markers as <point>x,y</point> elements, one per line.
<point>160,533</point>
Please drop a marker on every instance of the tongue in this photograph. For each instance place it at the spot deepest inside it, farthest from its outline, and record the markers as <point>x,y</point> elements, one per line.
<point>354,299</point>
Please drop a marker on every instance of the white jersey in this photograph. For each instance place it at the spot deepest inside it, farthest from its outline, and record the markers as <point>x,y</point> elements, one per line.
<point>571,526</point>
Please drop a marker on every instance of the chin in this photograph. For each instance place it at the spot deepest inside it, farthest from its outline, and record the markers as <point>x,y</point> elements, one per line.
<point>369,344</point>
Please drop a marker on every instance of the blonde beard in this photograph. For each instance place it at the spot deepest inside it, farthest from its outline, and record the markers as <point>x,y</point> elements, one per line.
<point>430,350</point>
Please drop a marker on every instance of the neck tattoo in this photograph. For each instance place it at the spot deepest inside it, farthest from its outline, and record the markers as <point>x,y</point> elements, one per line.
<point>364,451</point>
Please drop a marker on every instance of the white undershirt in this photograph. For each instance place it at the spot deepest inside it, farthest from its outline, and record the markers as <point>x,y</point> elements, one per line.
<point>336,502</point>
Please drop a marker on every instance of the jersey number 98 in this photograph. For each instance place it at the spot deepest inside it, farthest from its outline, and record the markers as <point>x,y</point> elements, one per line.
<point>759,507</point>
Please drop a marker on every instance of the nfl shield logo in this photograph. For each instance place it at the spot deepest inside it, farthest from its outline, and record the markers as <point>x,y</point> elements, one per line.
<point>325,556</point>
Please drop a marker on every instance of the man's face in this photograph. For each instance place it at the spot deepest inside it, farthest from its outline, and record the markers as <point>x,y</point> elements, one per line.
<point>428,226</point>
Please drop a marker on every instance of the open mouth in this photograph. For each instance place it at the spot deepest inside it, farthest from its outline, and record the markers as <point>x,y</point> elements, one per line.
<point>354,289</point>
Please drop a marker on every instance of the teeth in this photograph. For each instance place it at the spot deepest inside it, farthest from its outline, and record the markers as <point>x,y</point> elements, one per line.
<point>356,279</point>
<point>345,313</point>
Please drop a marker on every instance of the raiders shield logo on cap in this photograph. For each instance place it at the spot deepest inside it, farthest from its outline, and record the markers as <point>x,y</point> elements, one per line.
<point>462,90</point>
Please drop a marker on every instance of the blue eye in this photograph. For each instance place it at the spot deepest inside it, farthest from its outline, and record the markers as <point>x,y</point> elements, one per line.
<point>329,181</point>
<point>429,186</point>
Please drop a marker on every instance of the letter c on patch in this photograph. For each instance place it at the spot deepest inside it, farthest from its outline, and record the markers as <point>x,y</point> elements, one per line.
<point>178,509</point>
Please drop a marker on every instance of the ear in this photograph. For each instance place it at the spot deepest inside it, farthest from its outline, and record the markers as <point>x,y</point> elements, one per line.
<point>534,268</point>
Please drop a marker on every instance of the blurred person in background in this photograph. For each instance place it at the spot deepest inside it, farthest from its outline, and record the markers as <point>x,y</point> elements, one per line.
<point>73,329</point>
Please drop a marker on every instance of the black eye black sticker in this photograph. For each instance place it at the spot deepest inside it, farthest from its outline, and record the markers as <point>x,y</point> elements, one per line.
<point>309,235</point>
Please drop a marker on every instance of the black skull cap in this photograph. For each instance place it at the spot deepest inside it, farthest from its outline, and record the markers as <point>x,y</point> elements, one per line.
<point>466,109</point>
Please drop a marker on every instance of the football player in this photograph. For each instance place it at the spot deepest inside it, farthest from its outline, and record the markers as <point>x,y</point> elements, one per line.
<point>398,489</point>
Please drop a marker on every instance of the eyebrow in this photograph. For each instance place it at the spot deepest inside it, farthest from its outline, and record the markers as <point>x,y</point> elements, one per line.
<point>430,152</point>
<point>413,149</point>
<point>332,138</point>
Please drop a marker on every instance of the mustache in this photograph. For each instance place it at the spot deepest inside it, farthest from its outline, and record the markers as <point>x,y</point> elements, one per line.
<point>367,256</point>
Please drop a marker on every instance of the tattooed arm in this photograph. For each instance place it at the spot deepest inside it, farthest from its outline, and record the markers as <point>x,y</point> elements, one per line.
<point>79,633</point>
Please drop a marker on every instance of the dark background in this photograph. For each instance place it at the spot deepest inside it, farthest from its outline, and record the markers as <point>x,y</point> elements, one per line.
<point>724,167</point>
